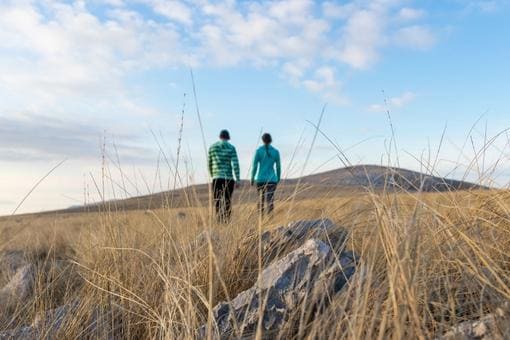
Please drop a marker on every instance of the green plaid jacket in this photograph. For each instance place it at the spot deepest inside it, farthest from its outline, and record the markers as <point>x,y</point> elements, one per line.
<point>223,161</point>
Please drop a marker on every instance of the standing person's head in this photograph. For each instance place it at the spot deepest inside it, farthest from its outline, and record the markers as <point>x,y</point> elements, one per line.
<point>224,135</point>
<point>267,139</point>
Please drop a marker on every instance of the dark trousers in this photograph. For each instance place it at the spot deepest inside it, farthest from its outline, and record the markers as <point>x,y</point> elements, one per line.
<point>266,196</point>
<point>223,190</point>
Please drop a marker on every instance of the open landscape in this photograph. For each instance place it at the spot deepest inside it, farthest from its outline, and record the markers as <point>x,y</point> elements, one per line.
<point>425,263</point>
<point>254,170</point>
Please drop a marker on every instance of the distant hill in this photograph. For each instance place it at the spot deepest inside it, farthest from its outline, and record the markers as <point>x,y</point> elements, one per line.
<point>378,178</point>
<point>331,183</point>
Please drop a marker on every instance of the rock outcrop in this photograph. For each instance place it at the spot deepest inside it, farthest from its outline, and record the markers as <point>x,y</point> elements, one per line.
<point>281,240</point>
<point>312,272</point>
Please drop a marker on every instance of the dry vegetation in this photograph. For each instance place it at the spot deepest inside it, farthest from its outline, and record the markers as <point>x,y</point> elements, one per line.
<point>428,261</point>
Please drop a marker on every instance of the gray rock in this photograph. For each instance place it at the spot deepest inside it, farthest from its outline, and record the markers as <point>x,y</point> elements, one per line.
<point>51,321</point>
<point>202,240</point>
<point>491,326</point>
<point>203,237</point>
<point>11,261</point>
<point>280,241</point>
<point>45,325</point>
<point>19,287</point>
<point>308,272</point>
<point>99,324</point>
<point>24,333</point>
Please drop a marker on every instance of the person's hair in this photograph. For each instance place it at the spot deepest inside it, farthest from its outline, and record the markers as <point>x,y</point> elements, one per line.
<point>267,139</point>
<point>224,134</point>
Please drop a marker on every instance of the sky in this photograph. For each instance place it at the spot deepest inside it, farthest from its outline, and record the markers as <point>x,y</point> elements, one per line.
<point>103,89</point>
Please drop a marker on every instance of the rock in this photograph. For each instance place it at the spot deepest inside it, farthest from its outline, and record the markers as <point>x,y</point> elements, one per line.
<point>11,261</point>
<point>51,321</point>
<point>202,239</point>
<point>24,333</point>
<point>282,240</point>
<point>307,272</point>
<point>47,325</point>
<point>296,231</point>
<point>19,287</point>
<point>492,326</point>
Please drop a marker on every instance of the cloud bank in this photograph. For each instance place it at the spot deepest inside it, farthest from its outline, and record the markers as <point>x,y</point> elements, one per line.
<point>53,49</point>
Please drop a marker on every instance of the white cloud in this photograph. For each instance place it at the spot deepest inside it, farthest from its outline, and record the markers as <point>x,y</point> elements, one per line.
<point>324,79</point>
<point>363,35</point>
<point>261,33</point>
<point>366,28</point>
<point>409,14</point>
<point>295,70</point>
<point>394,102</point>
<point>415,36</point>
<point>171,9</point>
<point>116,3</point>
<point>57,49</point>
<point>76,56</point>
<point>29,137</point>
<point>338,11</point>
<point>325,83</point>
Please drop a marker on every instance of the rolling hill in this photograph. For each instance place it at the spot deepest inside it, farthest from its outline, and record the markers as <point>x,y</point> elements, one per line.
<point>380,178</point>
<point>331,183</point>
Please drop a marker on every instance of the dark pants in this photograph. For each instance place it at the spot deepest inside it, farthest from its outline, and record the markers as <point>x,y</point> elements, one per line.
<point>266,196</point>
<point>223,189</point>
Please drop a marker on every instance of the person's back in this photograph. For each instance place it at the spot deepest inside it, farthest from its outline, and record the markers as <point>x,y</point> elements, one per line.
<point>223,162</point>
<point>266,165</point>
<point>266,173</point>
<point>224,171</point>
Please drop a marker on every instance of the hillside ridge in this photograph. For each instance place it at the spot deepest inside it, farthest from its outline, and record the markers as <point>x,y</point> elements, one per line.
<point>327,183</point>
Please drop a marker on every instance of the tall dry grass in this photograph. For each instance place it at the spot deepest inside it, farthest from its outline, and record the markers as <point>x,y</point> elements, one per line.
<point>428,261</point>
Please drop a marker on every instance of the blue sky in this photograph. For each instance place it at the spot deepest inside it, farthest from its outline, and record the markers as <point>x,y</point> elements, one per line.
<point>74,73</point>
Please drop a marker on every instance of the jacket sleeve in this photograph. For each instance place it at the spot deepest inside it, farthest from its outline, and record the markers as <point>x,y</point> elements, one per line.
<point>278,167</point>
<point>210,162</point>
<point>235,165</point>
<point>254,166</point>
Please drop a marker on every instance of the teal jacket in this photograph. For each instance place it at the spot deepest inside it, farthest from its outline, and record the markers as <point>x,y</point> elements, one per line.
<point>266,167</point>
<point>223,161</point>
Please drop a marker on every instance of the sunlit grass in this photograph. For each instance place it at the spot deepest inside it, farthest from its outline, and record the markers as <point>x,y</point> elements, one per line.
<point>428,262</point>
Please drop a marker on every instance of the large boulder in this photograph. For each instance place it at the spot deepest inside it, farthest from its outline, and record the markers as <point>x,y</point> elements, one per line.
<point>310,272</point>
<point>278,242</point>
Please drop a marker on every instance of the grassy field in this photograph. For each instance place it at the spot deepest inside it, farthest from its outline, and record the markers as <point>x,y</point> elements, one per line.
<point>428,261</point>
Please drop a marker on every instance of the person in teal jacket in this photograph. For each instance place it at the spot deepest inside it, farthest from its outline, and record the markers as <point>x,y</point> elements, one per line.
<point>266,173</point>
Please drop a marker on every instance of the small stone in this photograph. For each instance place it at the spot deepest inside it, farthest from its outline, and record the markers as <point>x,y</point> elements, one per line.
<point>19,287</point>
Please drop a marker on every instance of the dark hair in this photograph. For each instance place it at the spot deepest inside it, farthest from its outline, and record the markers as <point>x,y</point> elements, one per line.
<point>267,139</point>
<point>224,134</point>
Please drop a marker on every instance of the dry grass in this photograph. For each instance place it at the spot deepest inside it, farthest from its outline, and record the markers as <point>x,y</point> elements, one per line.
<point>429,261</point>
